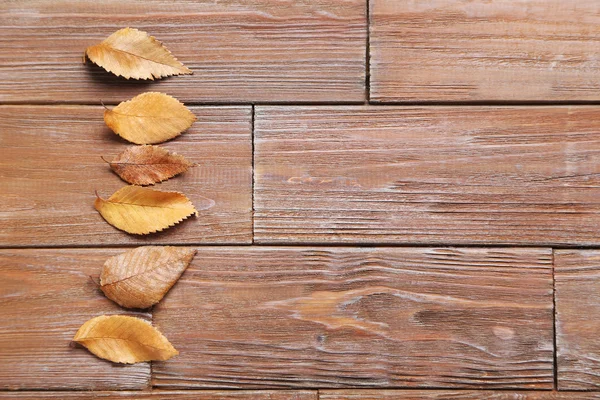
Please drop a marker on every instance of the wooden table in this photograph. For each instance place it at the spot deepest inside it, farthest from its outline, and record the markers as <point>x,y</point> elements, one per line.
<point>402,199</point>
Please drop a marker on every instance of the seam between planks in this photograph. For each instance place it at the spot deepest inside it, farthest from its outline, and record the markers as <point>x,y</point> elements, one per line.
<point>478,103</point>
<point>309,244</point>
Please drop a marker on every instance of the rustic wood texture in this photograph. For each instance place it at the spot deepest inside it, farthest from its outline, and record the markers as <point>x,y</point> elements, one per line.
<point>45,296</point>
<point>464,50</point>
<point>352,394</point>
<point>169,395</point>
<point>239,51</point>
<point>577,284</point>
<point>427,175</point>
<point>285,317</point>
<point>367,394</point>
<point>51,165</point>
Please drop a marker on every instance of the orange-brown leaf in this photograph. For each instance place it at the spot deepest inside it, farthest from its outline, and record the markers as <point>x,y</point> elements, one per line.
<point>141,210</point>
<point>147,165</point>
<point>149,118</point>
<point>139,278</point>
<point>131,53</point>
<point>124,339</point>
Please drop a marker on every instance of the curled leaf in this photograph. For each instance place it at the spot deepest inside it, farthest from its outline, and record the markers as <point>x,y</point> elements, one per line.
<point>147,165</point>
<point>141,211</point>
<point>149,118</point>
<point>131,53</point>
<point>141,277</point>
<point>123,339</point>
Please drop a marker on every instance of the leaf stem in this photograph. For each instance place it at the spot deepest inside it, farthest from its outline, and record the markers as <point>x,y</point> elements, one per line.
<point>94,281</point>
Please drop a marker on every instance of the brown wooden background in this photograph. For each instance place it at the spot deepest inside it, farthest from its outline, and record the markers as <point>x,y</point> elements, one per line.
<point>398,199</point>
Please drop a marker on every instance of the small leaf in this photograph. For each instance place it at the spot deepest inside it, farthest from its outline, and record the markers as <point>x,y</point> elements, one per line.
<point>141,277</point>
<point>131,53</point>
<point>149,118</point>
<point>123,339</point>
<point>147,165</point>
<point>141,211</point>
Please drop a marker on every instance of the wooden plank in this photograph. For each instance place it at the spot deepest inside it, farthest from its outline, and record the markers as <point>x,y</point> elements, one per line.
<point>577,285</point>
<point>168,395</point>
<point>428,175</point>
<point>357,394</point>
<point>294,317</point>
<point>250,51</point>
<point>45,296</point>
<point>465,50</point>
<point>452,395</point>
<point>51,167</point>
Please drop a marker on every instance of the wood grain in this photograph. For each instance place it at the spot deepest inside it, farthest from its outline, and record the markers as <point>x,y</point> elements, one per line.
<point>464,50</point>
<point>577,283</point>
<point>452,395</point>
<point>168,395</point>
<point>45,296</point>
<point>427,175</point>
<point>51,165</point>
<point>239,51</point>
<point>287,317</point>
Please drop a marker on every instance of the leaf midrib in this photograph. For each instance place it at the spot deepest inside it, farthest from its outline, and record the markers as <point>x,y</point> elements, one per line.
<point>136,55</point>
<point>126,340</point>
<point>136,275</point>
<point>142,205</point>
<point>162,163</point>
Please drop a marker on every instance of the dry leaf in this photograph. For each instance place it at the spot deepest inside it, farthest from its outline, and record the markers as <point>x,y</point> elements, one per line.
<point>141,277</point>
<point>149,118</point>
<point>140,210</point>
<point>123,339</point>
<point>147,165</point>
<point>131,53</point>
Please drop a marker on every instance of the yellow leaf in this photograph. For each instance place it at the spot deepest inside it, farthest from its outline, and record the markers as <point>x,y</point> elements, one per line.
<point>147,165</point>
<point>149,118</point>
<point>140,210</point>
<point>123,339</point>
<point>140,277</point>
<point>131,53</point>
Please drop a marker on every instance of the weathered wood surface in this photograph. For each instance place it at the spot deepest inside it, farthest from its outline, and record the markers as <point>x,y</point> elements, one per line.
<point>285,317</point>
<point>45,296</point>
<point>366,394</point>
<point>577,283</point>
<point>239,51</point>
<point>169,395</point>
<point>464,50</point>
<point>428,175</point>
<point>51,165</point>
<point>343,394</point>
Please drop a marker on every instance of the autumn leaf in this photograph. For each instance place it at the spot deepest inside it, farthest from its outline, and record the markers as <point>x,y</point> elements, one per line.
<point>147,165</point>
<point>141,211</point>
<point>124,339</point>
<point>131,53</point>
<point>149,118</point>
<point>141,277</point>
